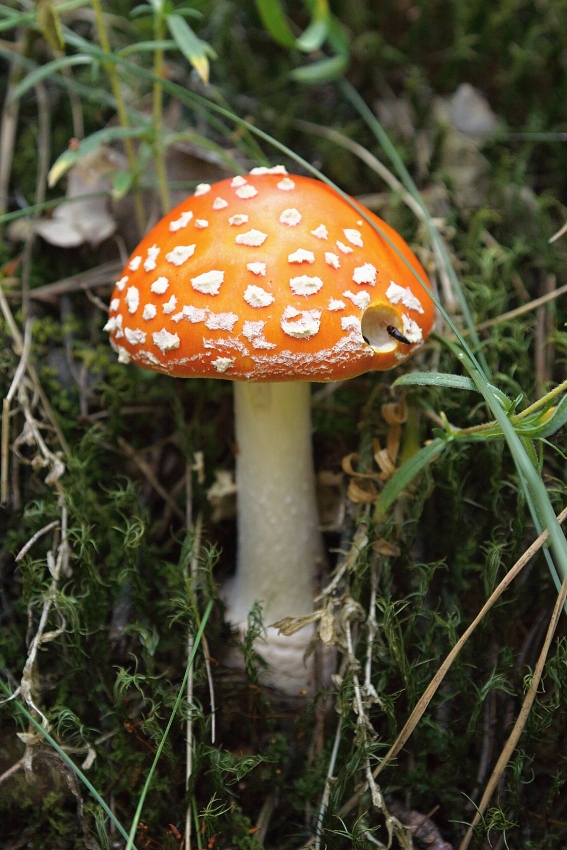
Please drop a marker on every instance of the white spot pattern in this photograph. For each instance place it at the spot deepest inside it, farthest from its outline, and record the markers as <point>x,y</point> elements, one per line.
<point>320,232</point>
<point>114,305</point>
<point>254,333</point>
<point>301,256</point>
<point>180,222</point>
<point>255,296</point>
<point>150,262</point>
<point>132,298</point>
<point>411,330</point>
<point>165,341</point>
<point>252,238</point>
<point>238,219</point>
<point>300,324</point>
<point>160,286</point>
<point>286,185</point>
<point>335,304</point>
<point>276,169</point>
<point>365,274</point>
<point>149,312</point>
<point>221,364</point>
<point>135,337</point>
<point>208,283</point>
<point>180,254</point>
<point>351,323</point>
<point>304,285</point>
<point>134,263</point>
<point>221,321</point>
<point>201,223</point>
<point>123,355</point>
<point>359,299</point>
<point>396,293</point>
<point>246,192</point>
<point>219,204</point>
<point>120,284</point>
<point>202,189</point>
<point>332,259</point>
<point>170,305</point>
<point>291,217</point>
<point>257,268</point>
<point>346,249</point>
<point>239,180</point>
<point>354,237</point>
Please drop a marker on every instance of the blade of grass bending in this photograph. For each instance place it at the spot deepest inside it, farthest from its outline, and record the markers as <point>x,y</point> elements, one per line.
<point>476,365</point>
<point>198,636</point>
<point>362,108</point>
<point>69,762</point>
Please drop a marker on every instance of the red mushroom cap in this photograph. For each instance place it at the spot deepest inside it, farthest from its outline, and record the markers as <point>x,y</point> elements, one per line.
<point>268,277</point>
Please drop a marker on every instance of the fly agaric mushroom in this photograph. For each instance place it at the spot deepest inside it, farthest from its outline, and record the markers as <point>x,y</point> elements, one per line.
<point>272,281</point>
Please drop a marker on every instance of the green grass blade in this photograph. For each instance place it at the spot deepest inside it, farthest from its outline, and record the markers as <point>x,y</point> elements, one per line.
<point>435,379</point>
<point>47,70</point>
<point>68,761</point>
<point>406,473</point>
<point>198,636</point>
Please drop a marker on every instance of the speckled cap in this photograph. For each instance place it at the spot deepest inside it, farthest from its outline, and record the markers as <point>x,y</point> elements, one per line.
<point>268,277</point>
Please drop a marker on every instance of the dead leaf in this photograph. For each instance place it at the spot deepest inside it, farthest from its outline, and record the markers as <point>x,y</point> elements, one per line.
<point>384,547</point>
<point>86,220</point>
<point>362,492</point>
<point>395,412</point>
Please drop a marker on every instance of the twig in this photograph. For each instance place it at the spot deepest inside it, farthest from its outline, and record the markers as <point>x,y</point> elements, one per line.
<point>11,770</point>
<point>18,348</point>
<point>25,549</point>
<point>20,370</point>
<point>520,721</point>
<point>525,308</point>
<point>431,689</point>
<point>328,786</point>
<point>148,472</point>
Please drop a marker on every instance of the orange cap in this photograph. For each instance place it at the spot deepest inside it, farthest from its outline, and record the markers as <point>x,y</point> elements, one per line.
<point>268,277</point>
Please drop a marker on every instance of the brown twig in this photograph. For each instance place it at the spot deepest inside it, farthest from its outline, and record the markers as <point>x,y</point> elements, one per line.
<point>146,469</point>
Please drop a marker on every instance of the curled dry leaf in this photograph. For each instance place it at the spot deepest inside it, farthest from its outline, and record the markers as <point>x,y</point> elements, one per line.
<point>395,412</point>
<point>347,466</point>
<point>362,492</point>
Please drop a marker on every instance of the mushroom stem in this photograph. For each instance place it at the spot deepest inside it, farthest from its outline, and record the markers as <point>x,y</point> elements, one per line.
<point>279,542</point>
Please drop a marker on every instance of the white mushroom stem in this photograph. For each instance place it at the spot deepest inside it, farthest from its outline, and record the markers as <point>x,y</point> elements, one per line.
<point>279,542</point>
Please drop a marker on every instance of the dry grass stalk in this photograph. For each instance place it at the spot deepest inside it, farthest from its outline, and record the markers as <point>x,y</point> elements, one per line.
<point>521,720</point>
<point>431,689</point>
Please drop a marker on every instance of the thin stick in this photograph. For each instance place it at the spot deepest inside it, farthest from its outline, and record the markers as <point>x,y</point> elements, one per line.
<point>148,472</point>
<point>521,720</point>
<point>18,347</point>
<point>431,689</point>
<point>525,308</point>
<point>36,537</point>
<point>11,770</point>
<point>6,413</point>
<point>328,785</point>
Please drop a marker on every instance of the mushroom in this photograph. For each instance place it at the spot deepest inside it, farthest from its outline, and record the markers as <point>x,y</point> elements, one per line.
<point>272,281</point>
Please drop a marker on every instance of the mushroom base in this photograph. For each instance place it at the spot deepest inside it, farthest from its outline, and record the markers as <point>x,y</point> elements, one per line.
<point>295,665</point>
<point>279,543</point>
